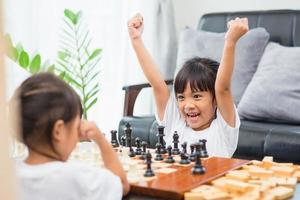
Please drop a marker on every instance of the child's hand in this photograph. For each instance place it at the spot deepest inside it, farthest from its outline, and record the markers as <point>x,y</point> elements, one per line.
<point>236,29</point>
<point>89,131</point>
<point>135,26</point>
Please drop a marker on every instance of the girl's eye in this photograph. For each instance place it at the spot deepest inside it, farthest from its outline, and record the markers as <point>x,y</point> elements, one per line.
<point>180,97</point>
<point>197,96</point>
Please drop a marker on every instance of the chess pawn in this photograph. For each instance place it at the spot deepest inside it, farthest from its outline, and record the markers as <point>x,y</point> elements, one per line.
<point>123,140</point>
<point>138,150</point>
<point>158,155</point>
<point>114,141</point>
<point>149,172</point>
<point>143,153</point>
<point>170,158</point>
<point>175,150</point>
<point>184,159</point>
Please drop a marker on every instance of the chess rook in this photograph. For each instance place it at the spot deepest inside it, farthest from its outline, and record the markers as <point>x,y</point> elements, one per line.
<point>114,141</point>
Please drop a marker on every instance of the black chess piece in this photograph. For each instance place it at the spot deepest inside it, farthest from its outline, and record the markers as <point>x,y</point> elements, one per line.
<point>198,168</point>
<point>128,131</point>
<point>184,159</point>
<point>114,141</point>
<point>192,156</point>
<point>184,146</point>
<point>143,153</point>
<point>149,172</point>
<point>158,154</point>
<point>175,150</point>
<point>123,140</point>
<point>138,150</point>
<point>170,158</point>
<point>161,139</point>
<point>203,150</point>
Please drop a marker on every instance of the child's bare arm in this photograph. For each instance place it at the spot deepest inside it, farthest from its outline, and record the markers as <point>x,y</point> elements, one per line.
<point>149,67</point>
<point>236,29</point>
<point>89,130</point>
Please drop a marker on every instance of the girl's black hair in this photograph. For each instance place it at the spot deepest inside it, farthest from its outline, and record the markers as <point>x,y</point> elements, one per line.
<point>45,99</point>
<point>200,73</point>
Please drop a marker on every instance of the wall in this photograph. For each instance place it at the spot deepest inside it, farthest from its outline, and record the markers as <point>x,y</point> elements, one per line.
<point>188,12</point>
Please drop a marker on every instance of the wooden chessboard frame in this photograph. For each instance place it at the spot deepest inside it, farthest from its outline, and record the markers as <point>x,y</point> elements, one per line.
<point>174,185</point>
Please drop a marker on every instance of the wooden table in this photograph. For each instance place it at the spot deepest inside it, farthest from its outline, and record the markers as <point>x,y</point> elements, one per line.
<point>174,185</point>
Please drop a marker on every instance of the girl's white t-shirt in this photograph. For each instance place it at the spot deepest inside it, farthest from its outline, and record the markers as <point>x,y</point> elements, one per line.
<point>221,138</point>
<point>66,181</point>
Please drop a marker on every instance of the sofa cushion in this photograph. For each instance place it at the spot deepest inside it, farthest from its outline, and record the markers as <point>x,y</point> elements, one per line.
<point>274,93</point>
<point>210,45</point>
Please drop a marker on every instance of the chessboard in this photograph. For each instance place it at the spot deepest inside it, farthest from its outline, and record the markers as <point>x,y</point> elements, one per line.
<point>170,180</point>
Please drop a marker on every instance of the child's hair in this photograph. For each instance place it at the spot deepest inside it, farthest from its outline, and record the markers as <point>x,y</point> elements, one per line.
<point>45,99</point>
<point>200,73</point>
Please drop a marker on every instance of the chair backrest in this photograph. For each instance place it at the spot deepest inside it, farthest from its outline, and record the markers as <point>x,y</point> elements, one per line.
<point>283,25</point>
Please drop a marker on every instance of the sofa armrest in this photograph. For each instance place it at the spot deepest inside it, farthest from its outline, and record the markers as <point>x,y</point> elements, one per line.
<point>131,93</point>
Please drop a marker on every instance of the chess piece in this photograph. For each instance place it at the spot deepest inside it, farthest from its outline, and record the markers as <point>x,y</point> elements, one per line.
<point>161,139</point>
<point>175,150</point>
<point>143,153</point>
<point>138,150</point>
<point>192,156</point>
<point>149,172</point>
<point>203,151</point>
<point>114,141</point>
<point>123,140</point>
<point>170,158</point>
<point>198,168</point>
<point>128,131</point>
<point>184,145</point>
<point>184,160</point>
<point>158,154</point>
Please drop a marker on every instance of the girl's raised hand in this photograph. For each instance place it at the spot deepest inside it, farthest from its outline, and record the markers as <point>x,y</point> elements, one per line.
<point>135,26</point>
<point>236,29</point>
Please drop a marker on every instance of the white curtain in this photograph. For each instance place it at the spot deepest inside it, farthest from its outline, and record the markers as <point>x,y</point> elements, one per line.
<point>37,24</point>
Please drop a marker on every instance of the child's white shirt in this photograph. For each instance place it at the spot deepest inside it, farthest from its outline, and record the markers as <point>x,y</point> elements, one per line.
<point>66,181</point>
<point>221,138</point>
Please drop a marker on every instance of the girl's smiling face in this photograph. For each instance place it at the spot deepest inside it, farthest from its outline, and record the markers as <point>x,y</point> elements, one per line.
<point>196,107</point>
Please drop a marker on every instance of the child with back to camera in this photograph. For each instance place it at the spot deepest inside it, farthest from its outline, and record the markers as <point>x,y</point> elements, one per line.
<point>51,126</point>
<point>202,105</point>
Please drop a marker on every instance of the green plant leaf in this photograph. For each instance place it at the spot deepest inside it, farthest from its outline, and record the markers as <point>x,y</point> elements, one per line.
<point>12,52</point>
<point>95,53</point>
<point>24,59</point>
<point>19,48</point>
<point>72,16</point>
<point>91,104</point>
<point>51,68</point>
<point>35,64</point>
<point>63,55</point>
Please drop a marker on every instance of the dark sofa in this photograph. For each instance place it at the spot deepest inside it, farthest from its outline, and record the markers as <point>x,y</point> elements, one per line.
<point>257,138</point>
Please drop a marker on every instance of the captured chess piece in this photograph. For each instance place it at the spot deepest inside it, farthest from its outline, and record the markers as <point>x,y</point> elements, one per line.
<point>138,150</point>
<point>198,168</point>
<point>114,141</point>
<point>192,156</point>
<point>175,150</point>
<point>143,153</point>
<point>161,139</point>
<point>158,154</point>
<point>149,172</point>
<point>170,158</point>
<point>203,151</point>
